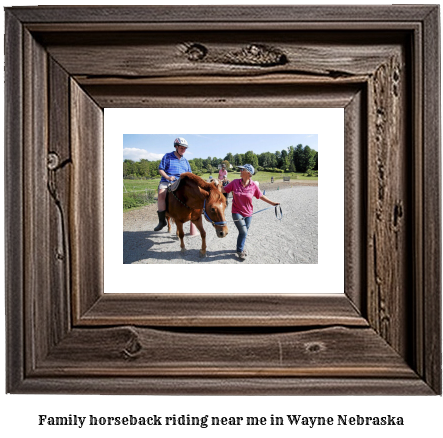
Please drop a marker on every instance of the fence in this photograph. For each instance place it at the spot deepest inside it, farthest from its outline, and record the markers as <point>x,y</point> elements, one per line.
<point>138,198</point>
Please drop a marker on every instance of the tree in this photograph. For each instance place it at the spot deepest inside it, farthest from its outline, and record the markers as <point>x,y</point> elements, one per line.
<point>144,168</point>
<point>284,160</point>
<point>308,159</point>
<point>298,157</point>
<point>251,158</point>
<point>198,163</point>
<point>273,159</point>
<point>291,151</point>
<point>226,163</point>
<point>229,157</point>
<point>128,168</point>
<point>239,159</point>
<point>154,169</point>
<point>265,159</point>
<point>278,161</point>
<point>217,161</point>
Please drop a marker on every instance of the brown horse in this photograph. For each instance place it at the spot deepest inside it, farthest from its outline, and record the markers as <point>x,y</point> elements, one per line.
<point>194,198</point>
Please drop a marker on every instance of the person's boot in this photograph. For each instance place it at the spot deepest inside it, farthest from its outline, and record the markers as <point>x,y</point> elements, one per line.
<point>161,220</point>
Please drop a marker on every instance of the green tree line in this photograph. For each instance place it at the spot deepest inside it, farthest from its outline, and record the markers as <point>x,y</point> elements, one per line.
<point>293,159</point>
<point>140,169</point>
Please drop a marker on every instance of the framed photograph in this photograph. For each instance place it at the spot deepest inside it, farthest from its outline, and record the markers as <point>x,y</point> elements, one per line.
<point>303,234</point>
<point>293,241</point>
<point>379,332</point>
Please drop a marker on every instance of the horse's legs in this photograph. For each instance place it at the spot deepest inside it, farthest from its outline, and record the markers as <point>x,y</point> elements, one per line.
<point>199,224</point>
<point>169,224</point>
<point>181,235</point>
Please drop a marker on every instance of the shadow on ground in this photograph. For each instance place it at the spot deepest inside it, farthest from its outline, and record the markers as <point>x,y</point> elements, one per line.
<point>153,247</point>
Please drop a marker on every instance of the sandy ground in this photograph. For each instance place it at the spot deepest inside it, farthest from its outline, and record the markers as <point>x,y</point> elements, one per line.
<point>294,239</point>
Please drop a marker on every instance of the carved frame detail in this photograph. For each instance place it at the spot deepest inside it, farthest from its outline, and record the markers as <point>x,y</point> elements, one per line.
<point>64,65</point>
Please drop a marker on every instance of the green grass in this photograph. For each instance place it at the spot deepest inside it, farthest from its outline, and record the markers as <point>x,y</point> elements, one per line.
<point>140,184</point>
<point>144,190</point>
<point>139,192</point>
<point>152,184</point>
<point>264,176</point>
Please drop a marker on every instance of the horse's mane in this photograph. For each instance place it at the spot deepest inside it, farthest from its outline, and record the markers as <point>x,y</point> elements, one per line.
<point>209,187</point>
<point>198,180</point>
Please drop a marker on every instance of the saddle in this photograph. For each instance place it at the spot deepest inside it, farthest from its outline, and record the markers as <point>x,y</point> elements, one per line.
<point>174,186</point>
<point>171,188</point>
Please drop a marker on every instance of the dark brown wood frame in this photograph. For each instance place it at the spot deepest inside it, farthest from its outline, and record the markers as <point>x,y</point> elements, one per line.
<point>64,65</point>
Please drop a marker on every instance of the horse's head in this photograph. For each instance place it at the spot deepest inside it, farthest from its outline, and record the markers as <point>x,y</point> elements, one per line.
<point>217,183</point>
<point>214,211</point>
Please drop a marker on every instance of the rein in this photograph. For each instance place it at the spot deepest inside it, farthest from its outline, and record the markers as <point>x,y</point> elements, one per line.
<point>179,200</point>
<point>264,209</point>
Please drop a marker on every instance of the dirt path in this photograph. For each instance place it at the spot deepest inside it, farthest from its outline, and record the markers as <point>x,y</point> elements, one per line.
<point>294,239</point>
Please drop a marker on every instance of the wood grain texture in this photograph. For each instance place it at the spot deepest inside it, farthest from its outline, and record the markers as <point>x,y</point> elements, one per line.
<point>227,96</point>
<point>431,316</point>
<point>130,351</point>
<point>222,14</point>
<point>14,239</point>
<point>388,204</point>
<point>225,53</point>
<point>59,167</point>
<point>64,335</point>
<point>226,386</point>
<point>418,175</point>
<point>86,197</point>
<point>355,195</point>
<point>206,310</point>
<point>37,306</point>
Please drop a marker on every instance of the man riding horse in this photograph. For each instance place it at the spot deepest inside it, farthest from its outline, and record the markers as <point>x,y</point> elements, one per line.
<point>172,165</point>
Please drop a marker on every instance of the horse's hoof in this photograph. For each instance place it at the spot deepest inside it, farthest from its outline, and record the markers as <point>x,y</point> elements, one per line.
<point>183,250</point>
<point>202,254</point>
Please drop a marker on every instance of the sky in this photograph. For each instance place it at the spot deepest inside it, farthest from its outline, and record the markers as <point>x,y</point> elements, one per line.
<point>153,146</point>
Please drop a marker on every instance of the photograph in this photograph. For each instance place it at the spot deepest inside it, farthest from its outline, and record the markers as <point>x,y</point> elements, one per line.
<point>298,234</point>
<point>220,198</point>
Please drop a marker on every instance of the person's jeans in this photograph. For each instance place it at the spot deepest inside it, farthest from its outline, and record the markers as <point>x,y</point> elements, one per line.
<point>243,226</point>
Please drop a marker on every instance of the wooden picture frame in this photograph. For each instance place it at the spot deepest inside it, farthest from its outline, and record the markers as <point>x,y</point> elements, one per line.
<point>65,64</point>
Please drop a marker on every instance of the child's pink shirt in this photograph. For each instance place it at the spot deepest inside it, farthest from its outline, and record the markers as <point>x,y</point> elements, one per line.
<point>242,203</point>
<point>222,173</point>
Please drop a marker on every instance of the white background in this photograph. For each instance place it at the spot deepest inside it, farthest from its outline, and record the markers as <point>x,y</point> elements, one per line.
<point>19,413</point>
<point>328,123</point>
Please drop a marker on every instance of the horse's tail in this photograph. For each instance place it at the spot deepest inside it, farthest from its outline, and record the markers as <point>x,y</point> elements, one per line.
<point>168,215</point>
